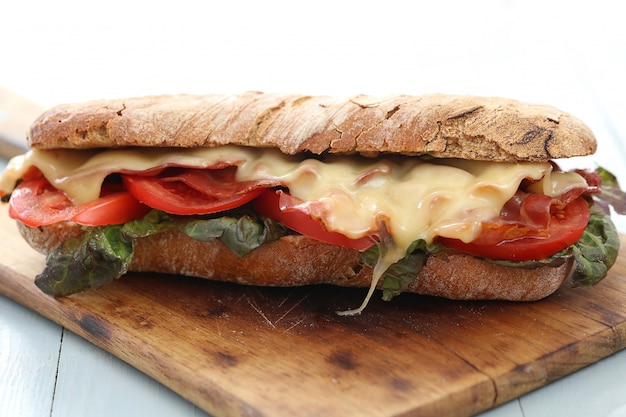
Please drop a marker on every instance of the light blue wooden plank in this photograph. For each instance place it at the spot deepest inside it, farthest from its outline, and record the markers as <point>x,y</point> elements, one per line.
<point>29,354</point>
<point>91,382</point>
<point>510,409</point>
<point>598,390</point>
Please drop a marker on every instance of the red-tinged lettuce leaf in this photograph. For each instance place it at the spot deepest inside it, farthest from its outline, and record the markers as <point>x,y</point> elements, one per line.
<point>611,193</point>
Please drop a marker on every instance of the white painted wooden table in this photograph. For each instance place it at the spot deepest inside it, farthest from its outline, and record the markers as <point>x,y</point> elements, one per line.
<point>566,53</point>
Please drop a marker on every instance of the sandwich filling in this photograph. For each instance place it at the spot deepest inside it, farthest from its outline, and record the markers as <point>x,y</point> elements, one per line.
<point>390,203</point>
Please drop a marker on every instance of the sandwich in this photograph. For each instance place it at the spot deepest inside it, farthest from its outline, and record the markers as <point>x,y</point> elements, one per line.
<point>451,196</point>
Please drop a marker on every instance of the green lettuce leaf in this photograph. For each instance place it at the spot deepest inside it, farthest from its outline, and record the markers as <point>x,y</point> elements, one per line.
<point>154,222</point>
<point>103,254</point>
<point>240,234</point>
<point>596,251</point>
<point>91,261</point>
<point>99,256</point>
<point>399,275</point>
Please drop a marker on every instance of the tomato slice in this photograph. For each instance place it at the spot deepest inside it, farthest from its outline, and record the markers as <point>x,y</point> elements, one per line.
<point>35,202</point>
<point>194,191</point>
<point>271,204</point>
<point>114,208</point>
<point>516,241</point>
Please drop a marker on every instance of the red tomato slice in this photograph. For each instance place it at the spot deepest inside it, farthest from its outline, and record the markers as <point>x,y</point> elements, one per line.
<point>35,202</point>
<point>114,208</point>
<point>514,241</point>
<point>193,191</point>
<point>269,204</point>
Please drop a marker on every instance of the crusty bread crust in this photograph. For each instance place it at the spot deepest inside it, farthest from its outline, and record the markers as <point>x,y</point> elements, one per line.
<point>297,260</point>
<point>444,126</point>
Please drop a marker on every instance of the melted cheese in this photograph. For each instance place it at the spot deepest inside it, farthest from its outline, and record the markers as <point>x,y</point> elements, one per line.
<point>410,198</point>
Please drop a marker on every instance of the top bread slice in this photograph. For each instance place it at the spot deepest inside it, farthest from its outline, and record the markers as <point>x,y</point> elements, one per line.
<point>442,126</point>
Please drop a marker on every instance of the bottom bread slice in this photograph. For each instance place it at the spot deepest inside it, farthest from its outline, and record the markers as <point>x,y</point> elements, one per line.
<point>296,260</point>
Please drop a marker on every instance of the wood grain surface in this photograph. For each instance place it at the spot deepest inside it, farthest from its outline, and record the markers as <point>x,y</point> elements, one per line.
<point>16,115</point>
<point>236,351</point>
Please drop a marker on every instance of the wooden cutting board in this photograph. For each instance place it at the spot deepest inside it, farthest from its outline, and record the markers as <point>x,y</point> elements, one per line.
<point>16,115</point>
<point>247,351</point>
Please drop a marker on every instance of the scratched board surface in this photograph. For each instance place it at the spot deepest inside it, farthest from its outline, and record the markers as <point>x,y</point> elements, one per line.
<point>235,350</point>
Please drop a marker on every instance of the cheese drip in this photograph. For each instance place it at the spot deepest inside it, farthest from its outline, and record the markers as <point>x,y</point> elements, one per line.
<point>411,198</point>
